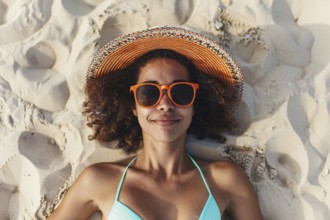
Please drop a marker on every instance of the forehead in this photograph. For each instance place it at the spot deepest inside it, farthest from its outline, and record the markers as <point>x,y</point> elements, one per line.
<point>163,71</point>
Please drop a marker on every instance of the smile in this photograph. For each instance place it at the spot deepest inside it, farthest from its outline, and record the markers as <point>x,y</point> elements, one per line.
<point>166,122</point>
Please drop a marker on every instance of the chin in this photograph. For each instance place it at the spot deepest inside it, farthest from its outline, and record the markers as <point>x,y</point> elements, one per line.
<point>170,138</point>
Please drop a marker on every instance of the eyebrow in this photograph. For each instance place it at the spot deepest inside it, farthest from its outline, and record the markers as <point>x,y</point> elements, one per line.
<point>156,82</point>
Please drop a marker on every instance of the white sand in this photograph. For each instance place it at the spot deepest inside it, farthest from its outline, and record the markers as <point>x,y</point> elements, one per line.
<point>283,138</point>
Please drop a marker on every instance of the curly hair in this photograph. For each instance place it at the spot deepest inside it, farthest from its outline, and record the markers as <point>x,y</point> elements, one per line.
<point>108,105</point>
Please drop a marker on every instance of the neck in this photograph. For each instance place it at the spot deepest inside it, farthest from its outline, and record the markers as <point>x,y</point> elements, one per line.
<point>164,160</point>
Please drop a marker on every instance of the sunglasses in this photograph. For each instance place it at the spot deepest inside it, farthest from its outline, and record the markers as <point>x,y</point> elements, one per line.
<point>148,95</point>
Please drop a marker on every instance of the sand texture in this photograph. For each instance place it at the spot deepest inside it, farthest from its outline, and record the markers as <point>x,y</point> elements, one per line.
<point>283,137</point>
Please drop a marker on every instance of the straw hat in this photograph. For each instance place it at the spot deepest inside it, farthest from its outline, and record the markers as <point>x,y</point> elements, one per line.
<point>207,56</point>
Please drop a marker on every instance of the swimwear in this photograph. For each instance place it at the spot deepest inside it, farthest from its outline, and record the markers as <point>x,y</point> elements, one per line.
<point>120,211</point>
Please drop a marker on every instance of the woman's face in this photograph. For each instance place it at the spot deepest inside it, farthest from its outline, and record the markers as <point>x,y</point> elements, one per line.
<point>165,122</point>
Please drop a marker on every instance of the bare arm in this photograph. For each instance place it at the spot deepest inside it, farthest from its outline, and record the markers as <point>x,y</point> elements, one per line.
<point>78,202</point>
<point>242,199</point>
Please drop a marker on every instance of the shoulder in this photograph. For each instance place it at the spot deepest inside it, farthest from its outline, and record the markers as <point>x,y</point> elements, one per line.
<point>102,176</point>
<point>226,178</point>
<point>224,174</point>
<point>228,173</point>
<point>97,178</point>
<point>105,172</point>
<point>231,179</point>
<point>94,188</point>
<point>100,170</point>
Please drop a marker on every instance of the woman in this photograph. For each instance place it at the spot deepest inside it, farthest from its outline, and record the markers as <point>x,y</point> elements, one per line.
<point>148,90</point>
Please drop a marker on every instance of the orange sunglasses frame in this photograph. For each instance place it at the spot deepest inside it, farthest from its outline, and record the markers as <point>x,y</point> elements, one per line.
<point>161,93</point>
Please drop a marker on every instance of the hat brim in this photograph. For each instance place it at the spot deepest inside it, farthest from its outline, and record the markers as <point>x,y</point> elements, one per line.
<point>206,55</point>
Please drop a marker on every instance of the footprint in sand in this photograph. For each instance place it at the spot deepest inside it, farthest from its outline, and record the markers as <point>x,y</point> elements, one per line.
<point>41,56</point>
<point>44,154</point>
<point>51,185</point>
<point>41,150</point>
<point>21,19</point>
<point>19,180</point>
<point>6,191</point>
<point>37,81</point>
<point>7,12</point>
<point>46,89</point>
<point>80,7</point>
<point>142,15</point>
<point>176,12</point>
<point>3,12</point>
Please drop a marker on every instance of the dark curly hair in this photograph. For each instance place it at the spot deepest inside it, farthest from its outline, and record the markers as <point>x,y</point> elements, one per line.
<point>109,104</point>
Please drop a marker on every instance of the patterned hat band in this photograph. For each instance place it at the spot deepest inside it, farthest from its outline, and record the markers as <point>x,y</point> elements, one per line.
<point>205,54</point>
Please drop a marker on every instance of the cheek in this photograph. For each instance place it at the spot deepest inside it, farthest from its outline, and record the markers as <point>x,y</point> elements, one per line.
<point>187,115</point>
<point>141,113</point>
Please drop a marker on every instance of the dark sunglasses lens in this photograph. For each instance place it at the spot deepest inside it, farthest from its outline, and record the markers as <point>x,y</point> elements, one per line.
<point>147,95</point>
<point>182,94</point>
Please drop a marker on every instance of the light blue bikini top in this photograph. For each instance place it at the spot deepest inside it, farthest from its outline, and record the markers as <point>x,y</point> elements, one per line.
<point>120,211</point>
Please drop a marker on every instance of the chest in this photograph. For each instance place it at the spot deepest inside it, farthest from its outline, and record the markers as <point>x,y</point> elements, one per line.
<point>184,198</point>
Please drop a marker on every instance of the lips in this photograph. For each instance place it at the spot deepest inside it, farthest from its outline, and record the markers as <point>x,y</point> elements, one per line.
<point>166,121</point>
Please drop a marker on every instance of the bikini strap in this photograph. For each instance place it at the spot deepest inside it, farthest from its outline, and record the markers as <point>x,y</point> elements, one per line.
<point>202,175</point>
<point>123,177</point>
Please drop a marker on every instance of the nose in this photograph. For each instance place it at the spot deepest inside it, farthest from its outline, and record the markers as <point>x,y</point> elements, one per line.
<point>165,103</point>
